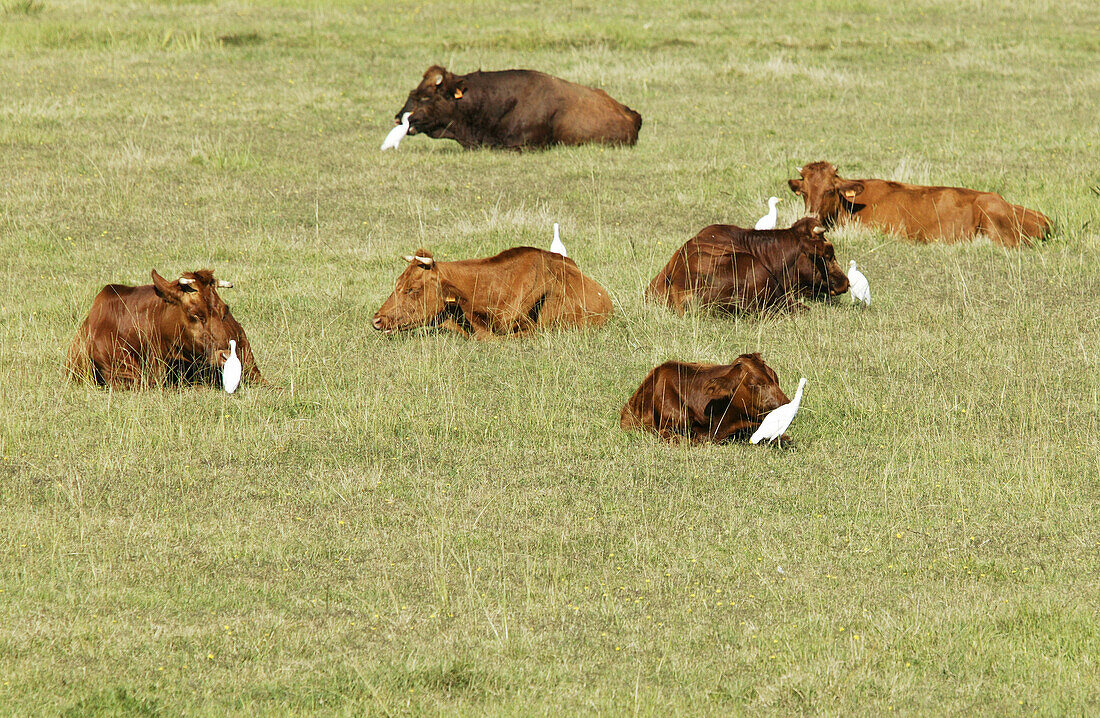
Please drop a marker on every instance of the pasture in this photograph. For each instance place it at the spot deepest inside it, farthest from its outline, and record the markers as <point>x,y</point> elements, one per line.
<point>422,523</point>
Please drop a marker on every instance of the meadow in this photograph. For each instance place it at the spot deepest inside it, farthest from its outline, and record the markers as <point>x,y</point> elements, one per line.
<point>424,524</point>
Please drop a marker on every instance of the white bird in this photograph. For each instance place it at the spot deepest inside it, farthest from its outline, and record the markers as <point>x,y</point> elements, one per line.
<point>779,419</point>
<point>557,246</point>
<point>857,284</point>
<point>393,139</point>
<point>231,372</point>
<point>768,220</point>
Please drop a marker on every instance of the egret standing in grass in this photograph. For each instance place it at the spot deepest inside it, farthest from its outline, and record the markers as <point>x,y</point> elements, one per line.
<point>231,372</point>
<point>393,139</point>
<point>776,423</point>
<point>768,220</point>
<point>557,246</point>
<point>857,284</point>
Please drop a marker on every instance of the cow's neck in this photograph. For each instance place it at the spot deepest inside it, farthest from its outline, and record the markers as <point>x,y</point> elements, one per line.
<point>784,258</point>
<point>460,275</point>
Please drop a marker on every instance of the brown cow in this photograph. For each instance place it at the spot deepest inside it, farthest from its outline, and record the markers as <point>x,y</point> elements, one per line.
<point>705,402</point>
<point>750,270</point>
<point>513,109</point>
<point>515,292</point>
<point>164,332</point>
<point>924,214</point>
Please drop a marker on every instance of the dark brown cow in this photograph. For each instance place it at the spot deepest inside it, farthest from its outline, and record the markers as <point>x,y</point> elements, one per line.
<point>164,332</point>
<point>750,270</point>
<point>924,214</point>
<point>517,291</point>
<point>513,109</point>
<point>705,402</point>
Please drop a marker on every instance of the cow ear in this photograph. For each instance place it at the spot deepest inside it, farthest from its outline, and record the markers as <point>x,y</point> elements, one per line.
<point>795,185</point>
<point>717,389</point>
<point>850,189</point>
<point>450,294</point>
<point>434,75</point>
<point>167,291</point>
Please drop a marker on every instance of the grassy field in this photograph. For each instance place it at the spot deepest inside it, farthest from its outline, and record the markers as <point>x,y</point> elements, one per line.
<point>426,524</point>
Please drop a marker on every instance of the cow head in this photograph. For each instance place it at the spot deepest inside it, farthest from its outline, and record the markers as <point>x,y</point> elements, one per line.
<point>196,322</point>
<point>825,192</point>
<point>434,102</point>
<point>751,386</point>
<point>817,268</point>
<point>417,299</point>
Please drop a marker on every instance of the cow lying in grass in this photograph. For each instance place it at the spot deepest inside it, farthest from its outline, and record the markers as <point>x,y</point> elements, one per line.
<point>164,332</point>
<point>749,270</point>
<point>518,291</point>
<point>924,214</point>
<point>705,402</point>
<point>515,109</point>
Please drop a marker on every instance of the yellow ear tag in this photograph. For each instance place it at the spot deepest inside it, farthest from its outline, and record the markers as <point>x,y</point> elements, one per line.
<point>850,193</point>
<point>458,94</point>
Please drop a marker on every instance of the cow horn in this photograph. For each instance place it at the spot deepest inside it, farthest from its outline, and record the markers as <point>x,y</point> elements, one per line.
<point>224,284</point>
<point>818,229</point>
<point>186,280</point>
<point>417,258</point>
<point>439,79</point>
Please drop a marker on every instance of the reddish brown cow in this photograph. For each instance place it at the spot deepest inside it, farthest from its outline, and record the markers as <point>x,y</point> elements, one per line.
<point>923,214</point>
<point>513,109</point>
<point>517,291</point>
<point>705,402</point>
<point>164,332</point>
<point>751,270</point>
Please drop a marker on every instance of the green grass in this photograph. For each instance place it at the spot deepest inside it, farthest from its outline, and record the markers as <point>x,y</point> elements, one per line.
<point>426,524</point>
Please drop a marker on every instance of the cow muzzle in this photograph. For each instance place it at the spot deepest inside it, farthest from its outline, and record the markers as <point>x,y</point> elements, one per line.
<point>838,286</point>
<point>381,325</point>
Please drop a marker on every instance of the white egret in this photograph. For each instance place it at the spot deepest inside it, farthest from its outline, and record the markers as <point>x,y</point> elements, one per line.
<point>857,284</point>
<point>557,246</point>
<point>768,220</point>
<point>393,139</point>
<point>779,419</point>
<point>231,372</point>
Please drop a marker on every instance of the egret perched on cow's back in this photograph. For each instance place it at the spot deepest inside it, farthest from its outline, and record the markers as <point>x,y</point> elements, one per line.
<point>231,372</point>
<point>557,246</point>
<point>779,419</point>
<point>857,284</point>
<point>768,220</point>
<point>393,139</point>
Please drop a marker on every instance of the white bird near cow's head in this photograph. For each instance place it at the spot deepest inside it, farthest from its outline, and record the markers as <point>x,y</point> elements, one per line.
<point>557,246</point>
<point>776,422</point>
<point>858,285</point>
<point>231,372</point>
<point>768,220</point>
<point>393,139</point>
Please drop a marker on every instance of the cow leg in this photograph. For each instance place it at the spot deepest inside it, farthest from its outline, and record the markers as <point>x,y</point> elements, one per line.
<point>678,300</point>
<point>481,329</point>
<point>115,366</point>
<point>121,375</point>
<point>452,325</point>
